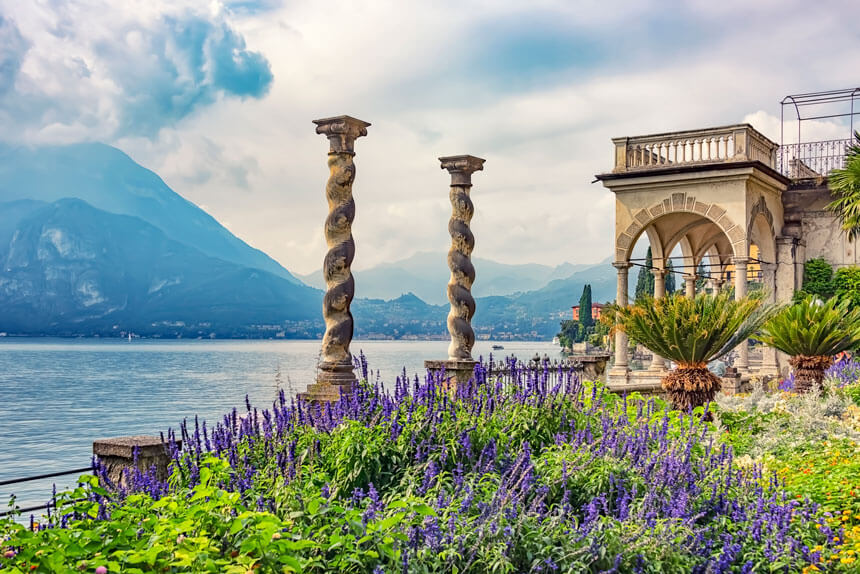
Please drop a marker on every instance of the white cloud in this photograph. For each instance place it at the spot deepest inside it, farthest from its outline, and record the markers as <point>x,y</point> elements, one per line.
<point>423,74</point>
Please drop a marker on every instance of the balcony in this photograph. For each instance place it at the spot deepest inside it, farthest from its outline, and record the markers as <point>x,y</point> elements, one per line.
<point>727,145</point>
<point>693,147</point>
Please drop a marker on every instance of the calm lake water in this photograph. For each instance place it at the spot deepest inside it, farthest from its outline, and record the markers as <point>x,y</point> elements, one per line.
<point>57,396</point>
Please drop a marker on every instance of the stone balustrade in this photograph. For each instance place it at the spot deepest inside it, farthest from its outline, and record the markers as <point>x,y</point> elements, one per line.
<point>714,145</point>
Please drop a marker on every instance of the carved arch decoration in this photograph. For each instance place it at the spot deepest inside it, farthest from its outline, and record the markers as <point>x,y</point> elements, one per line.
<point>766,238</point>
<point>680,203</point>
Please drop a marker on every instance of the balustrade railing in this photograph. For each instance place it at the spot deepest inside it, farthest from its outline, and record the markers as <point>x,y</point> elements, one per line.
<point>811,159</point>
<point>715,145</point>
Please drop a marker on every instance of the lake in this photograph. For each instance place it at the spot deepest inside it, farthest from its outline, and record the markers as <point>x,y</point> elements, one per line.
<point>58,395</point>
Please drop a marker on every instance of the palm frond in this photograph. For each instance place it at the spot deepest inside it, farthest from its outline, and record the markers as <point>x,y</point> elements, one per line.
<point>814,328</point>
<point>693,331</point>
<point>844,184</point>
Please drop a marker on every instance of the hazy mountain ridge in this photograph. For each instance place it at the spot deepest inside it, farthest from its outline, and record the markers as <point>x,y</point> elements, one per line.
<point>426,274</point>
<point>92,244</point>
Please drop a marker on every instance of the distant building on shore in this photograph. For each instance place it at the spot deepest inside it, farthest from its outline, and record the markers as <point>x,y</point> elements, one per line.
<point>596,310</point>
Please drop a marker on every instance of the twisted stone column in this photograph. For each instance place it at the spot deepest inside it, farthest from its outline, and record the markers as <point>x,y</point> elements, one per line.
<point>335,367</point>
<point>461,168</point>
<point>460,363</point>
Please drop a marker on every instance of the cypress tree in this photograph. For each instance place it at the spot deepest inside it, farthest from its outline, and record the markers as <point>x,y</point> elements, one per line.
<point>645,279</point>
<point>670,278</point>
<point>585,318</point>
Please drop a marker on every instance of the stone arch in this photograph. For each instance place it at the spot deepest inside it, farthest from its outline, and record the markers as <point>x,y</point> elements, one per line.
<point>760,231</point>
<point>680,203</point>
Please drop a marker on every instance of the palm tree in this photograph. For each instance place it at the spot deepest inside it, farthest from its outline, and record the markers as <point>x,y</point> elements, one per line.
<point>692,331</point>
<point>845,185</point>
<point>812,331</point>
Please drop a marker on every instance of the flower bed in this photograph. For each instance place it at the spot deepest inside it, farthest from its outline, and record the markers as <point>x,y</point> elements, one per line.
<point>812,442</point>
<point>524,474</point>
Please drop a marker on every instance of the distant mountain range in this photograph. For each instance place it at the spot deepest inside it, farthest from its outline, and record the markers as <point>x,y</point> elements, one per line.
<point>93,244</point>
<point>425,274</point>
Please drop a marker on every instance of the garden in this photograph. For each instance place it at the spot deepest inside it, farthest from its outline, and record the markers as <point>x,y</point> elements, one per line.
<point>519,470</point>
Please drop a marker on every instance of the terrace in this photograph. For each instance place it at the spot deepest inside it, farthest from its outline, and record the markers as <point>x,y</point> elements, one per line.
<point>743,143</point>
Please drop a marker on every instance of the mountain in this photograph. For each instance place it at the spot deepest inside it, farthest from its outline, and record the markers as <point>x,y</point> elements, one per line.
<point>67,268</point>
<point>109,180</point>
<point>536,314</point>
<point>425,275</point>
<point>92,244</point>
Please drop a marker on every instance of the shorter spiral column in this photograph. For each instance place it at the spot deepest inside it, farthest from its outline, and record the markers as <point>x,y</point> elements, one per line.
<point>460,365</point>
<point>335,369</point>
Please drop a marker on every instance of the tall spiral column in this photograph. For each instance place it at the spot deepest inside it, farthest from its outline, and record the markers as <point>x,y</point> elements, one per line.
<point>460,363</point>
<point>335,369</point>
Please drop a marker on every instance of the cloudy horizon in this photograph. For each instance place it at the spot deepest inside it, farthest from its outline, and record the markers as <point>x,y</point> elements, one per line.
<point>218,98</point>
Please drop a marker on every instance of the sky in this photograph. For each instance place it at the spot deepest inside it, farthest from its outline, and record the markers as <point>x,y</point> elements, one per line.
<point>217,97</point>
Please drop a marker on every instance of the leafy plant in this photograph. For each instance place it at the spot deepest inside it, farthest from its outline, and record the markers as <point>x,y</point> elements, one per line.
<point>517,471</point>
<point>812,331</point>
<point>846,284</point>
<point>845,186</point>
<point>817,279</point>
<point>692,331</point>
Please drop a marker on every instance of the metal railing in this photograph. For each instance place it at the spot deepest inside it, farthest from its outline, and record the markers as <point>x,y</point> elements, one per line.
<point>19,510</point>
<point>811,159</point>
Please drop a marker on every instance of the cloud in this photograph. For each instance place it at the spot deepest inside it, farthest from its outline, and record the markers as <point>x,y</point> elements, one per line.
<point>13,46</point>
<point>168,72</point>
<point>91,75</point>
<point>537,88</point>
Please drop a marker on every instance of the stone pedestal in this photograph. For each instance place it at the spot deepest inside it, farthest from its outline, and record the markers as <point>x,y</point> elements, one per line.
<point>454,372</point>
<point>732,382</point>
<point>593,365</point>
<point>335,374</point>
<point>647,383</point>
<point>118,455</point>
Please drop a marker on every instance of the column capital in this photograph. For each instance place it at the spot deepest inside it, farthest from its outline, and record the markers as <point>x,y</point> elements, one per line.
<point>740,260</point>
<point>658,272</point>
<point>625,265</point>
<point>342,131</point>
<point>461,167</point>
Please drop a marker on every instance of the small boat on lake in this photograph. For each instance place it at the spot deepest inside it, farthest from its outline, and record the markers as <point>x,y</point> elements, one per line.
<point>497,347</point>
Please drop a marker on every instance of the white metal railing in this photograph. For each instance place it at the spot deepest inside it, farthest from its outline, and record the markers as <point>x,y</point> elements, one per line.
<point>715,145</point>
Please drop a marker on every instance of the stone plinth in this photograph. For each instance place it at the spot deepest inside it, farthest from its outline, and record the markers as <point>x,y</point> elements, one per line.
<point>118,455</point>
<point>456,372</point>
<point>593,365</point>
<point>648,383</point>
<point>732,381</point>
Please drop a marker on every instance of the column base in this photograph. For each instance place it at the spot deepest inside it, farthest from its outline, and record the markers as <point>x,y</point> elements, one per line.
<point>618,375</point>
<point>456,371</point>
<point>324,393</point>
<point>648,383</point>
<point>333,379</point>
